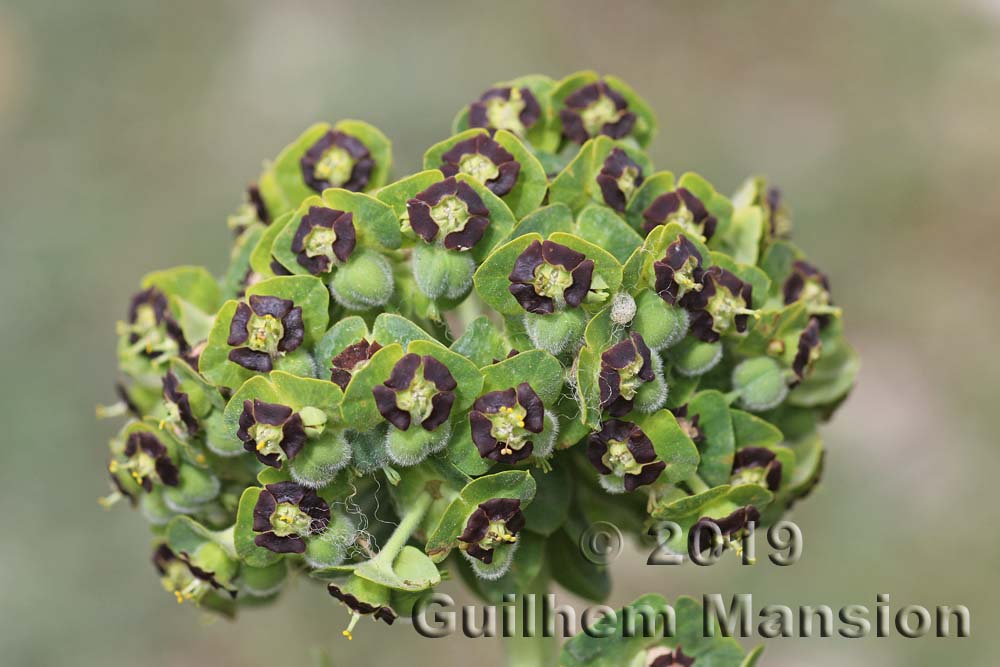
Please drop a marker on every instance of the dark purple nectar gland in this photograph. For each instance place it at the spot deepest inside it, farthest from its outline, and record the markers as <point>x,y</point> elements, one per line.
<point>253,210</point>
<point>273,432</point>
<point>682,207</point>
<point>621,450</point>
<point>351,360</point>
<point>625,367</point>
<point>596,109</point>
<point>619,178</point>
<point>664,657</point>
<point>450,212</point>
<point>722,306</point>
<point>419,390</point>
<point>337,160</point>
<point>493,524</point>
<point>485,160</point>
<point>688,424</point>
<point>180,418</point>
<point>808,351</point>
<point>351,597</point>
<point>325,237</point>
<point>263,329</point>
<point>726,532</point>
<point>548,275</point>
<point>776,213</point>
<point>285,514</point>
<point>811,286</point>
<point>757,465</point>
<point>678,272</point>
<point>503,423</point>
<point>513,109</point>
<point>146,461</point>
<point>151,328</point>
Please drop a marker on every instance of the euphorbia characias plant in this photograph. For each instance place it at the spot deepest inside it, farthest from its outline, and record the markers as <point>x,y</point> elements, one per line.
<point>536,332</point>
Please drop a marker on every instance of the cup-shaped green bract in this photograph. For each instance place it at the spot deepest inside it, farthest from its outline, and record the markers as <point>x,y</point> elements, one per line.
<point>466,366</point>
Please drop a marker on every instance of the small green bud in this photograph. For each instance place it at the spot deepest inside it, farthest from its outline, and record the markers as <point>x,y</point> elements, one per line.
<point>410,447</point>
<point>329,548</point>
<point>693,357</point>
<point>660,324</point>
<point>365,281</point>
<point>442,273</point>
<point>196,487</point>
<point>556,333</point>
<point>761,383</point>
<point>320,460</point>
<point>263,581</point>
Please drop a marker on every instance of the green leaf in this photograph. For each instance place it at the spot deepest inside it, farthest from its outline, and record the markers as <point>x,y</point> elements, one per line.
<point>359,408</point>
<point>483,342</point>
<point>752,431</point>
<point>463,453</point>
<point>243,534</point>
<point>673,446</point>
<point>390,328</point>
<point>262,255</point>
<point>689,507</point>
<point>536,367</point>
<point>720,442</point>
<point>375,222</point>
<point>574,572</point>
<point>411,571</point>
<point>544,221</point>
<point>604,228</point>
<point>743,239</point>
<point>193,284</point>
<point>550,507</point>
<point>398,193</point>
<point>299,392</point>
<point>610,647</point>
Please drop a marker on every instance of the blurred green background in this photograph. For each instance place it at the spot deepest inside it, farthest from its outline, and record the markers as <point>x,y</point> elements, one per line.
<point>128,130</point>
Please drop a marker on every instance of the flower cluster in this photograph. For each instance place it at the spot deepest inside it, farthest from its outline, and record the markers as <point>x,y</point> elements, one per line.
<point>536,331</point>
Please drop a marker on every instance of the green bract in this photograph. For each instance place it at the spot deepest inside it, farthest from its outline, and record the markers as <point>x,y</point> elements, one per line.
<point>536,332</point>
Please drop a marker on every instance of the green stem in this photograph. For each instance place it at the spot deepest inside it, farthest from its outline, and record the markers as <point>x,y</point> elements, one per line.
<point>536,651</point>
<point>409,523</point>
<point>697,484</point>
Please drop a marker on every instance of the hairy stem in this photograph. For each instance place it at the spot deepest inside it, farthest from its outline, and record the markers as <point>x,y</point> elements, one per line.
<point>409,523</point>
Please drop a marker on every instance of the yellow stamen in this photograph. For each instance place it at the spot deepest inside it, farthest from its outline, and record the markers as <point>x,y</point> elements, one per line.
<point>180,598</point>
